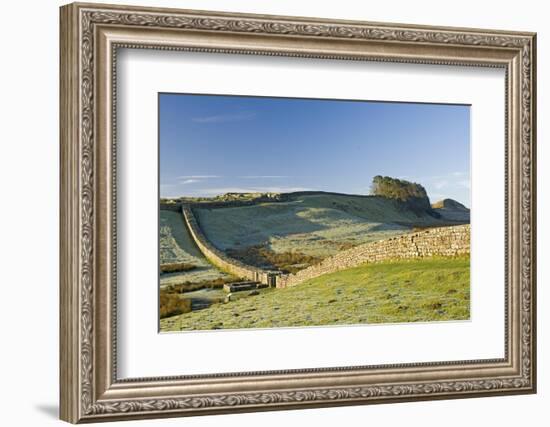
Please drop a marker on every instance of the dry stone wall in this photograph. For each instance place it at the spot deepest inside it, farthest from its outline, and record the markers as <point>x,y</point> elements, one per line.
<point>219,258</point>
<point>442,241</point>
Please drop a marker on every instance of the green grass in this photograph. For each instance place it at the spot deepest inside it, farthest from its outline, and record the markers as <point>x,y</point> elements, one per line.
<point>435,289</point>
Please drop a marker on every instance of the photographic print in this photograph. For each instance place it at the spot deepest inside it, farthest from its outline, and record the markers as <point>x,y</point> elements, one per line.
<point>291,212</point>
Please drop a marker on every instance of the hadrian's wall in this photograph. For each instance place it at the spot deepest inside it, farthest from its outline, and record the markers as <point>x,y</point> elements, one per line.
<point>442,241</point>
<point>219,258</point>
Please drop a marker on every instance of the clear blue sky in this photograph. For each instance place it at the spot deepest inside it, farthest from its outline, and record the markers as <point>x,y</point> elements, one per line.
<point>211,144</point>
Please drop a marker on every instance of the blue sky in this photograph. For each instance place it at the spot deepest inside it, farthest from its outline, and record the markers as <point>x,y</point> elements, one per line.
<point>211,144</point>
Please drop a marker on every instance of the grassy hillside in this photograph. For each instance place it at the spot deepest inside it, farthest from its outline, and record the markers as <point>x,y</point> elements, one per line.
<point>316,225</point>
<point>435,289</point>
<point>452,210</point>
<point>176,246</point>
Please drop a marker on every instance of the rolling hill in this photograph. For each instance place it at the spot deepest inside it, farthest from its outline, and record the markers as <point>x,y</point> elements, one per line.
<point>291,231</point>
<point>176,246</point>
<point>316,224</point>
<point>451,210</point>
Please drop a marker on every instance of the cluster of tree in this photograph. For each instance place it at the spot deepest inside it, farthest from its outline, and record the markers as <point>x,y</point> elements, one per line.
<point>394,188</point>
<point>410,194</point>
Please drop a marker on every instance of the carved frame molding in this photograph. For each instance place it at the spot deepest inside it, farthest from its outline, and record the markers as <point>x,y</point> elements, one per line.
<point>90,36</point>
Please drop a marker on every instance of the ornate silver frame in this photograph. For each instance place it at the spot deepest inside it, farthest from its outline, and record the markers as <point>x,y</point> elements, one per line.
<point>90,36</point>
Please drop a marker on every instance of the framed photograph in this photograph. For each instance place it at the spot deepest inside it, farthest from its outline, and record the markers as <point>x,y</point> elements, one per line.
<point>266,212</point>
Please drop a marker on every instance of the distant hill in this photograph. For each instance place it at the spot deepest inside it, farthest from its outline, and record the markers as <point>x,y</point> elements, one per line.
<point>312,223</point>
<point>452,210</point>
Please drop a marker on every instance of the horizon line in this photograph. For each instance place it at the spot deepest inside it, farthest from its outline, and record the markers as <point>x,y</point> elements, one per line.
<point>297,192</point>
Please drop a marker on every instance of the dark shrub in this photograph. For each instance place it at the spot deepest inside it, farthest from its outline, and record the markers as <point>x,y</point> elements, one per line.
<point>172,305</point>
<point>176,266</point>
<point>263,257</point>
<point>203,284</point>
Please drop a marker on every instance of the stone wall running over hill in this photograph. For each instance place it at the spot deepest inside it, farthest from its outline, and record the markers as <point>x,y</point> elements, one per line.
<point>219,258</point>
<point>442,241</point>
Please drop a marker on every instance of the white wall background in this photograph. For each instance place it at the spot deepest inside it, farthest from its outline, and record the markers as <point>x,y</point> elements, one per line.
<point>29,170</point>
